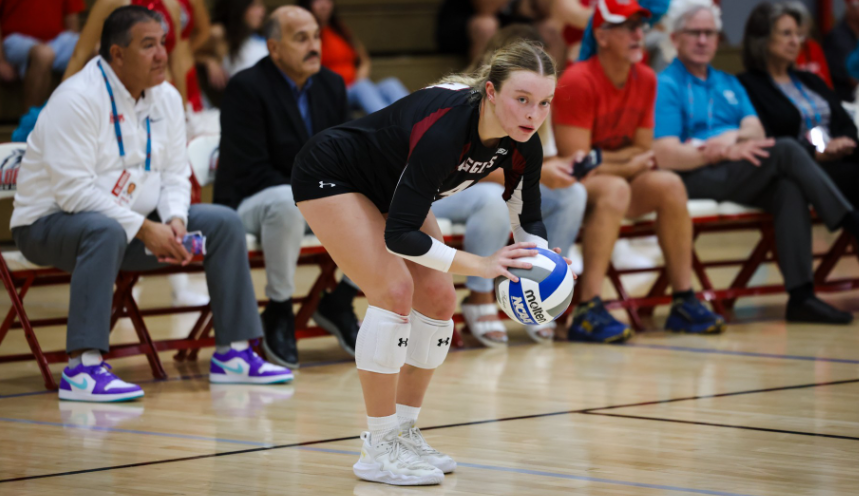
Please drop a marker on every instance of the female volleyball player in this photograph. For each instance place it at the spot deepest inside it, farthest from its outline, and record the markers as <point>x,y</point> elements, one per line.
<point>395,163</point>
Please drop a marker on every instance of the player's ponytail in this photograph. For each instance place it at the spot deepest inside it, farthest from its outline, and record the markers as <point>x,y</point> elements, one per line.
<point>518,56</point>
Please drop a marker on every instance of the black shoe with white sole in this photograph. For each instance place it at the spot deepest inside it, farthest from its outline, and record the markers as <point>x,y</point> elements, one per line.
<point>816,311</point>
<point>338,318</point>
<point>278,323</point>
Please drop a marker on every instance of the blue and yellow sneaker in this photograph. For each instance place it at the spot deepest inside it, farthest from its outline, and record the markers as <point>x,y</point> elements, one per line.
<point>689,315</point>
<point>593,323</point>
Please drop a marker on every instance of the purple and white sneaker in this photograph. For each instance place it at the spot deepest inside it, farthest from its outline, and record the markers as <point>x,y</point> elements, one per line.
<point>96,383</point>
<point>246,367</point>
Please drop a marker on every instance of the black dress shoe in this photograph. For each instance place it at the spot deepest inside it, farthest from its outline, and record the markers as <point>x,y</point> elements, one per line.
<point>816,311</point>
<point>337,316</point>
<point>278,322</point>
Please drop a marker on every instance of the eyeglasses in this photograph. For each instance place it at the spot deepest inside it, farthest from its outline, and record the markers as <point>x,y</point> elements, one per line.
<point>698,33</point>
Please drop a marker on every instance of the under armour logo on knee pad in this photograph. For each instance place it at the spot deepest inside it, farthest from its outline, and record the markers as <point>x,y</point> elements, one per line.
<point>403,342</point>
<point>445,341</point>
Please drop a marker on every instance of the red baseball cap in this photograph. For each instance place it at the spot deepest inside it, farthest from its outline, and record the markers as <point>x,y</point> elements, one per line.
<point>617,11</point>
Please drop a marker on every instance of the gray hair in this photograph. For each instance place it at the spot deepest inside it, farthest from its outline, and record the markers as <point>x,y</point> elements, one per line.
<point>759,29</point>
<point>802,10</point>
<point>681,11</point>
<point>271,28</point>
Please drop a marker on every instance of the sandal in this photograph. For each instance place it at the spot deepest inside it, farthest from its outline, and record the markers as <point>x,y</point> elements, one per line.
<point>543,333</point>
<point>480,328</point>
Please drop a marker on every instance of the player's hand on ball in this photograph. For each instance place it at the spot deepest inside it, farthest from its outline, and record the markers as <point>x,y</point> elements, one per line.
<point>500,261</point>
<point>569,262</point>
<point>558,251</point>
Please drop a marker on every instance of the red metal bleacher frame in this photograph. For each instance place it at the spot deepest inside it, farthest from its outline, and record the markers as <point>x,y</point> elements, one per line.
<point>18,284</point>
<point>723,300</point>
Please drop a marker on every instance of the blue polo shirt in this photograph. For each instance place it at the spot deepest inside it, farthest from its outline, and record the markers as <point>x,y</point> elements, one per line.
<point>690,108</point>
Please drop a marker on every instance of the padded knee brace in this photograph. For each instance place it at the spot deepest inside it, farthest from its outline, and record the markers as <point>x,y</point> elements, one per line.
<point>429,341</point>
<point>383,341</point>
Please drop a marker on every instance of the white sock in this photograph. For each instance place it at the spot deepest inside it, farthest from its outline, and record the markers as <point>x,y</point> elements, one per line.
<point>240,345</point>
<point>235,345</point>
<point>407,416</point>
<point>91,357</point>
<point>381,426</point>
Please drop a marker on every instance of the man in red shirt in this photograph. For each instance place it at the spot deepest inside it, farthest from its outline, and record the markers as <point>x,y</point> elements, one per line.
<point>39,37</point>
<point>607,102</point>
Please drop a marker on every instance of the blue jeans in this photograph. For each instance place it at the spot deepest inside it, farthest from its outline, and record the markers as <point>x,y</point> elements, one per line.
<point>372,97</point>
<point>486,219</point>
<point>563,210</point>
<point>17,49</point>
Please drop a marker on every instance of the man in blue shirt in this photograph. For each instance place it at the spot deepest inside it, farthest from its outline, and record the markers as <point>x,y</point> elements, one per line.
<point>268,113</point>
<point>708,132</point>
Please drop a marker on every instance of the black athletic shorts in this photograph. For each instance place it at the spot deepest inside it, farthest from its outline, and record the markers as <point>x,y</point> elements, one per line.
<point>318,173</point>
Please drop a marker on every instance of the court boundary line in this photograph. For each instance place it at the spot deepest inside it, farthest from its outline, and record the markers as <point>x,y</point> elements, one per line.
<point>749,354</point>
<point>728,426</point>
<point>447,426</point>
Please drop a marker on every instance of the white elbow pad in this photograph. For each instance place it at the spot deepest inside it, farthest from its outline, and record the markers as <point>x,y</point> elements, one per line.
<point>439,257</point>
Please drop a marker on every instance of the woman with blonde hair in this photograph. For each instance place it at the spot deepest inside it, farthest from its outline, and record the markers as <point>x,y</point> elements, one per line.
<point>366,187</point>
<point>487,229</point>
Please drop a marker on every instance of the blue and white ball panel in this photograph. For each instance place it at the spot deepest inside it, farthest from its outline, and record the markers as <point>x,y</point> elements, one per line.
<point>543,292</point>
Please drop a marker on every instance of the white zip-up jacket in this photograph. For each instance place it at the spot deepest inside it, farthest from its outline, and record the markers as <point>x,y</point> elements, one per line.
<point>72,163</point>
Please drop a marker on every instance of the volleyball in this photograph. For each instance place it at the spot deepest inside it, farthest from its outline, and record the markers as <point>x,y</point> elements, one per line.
<point>543,292</point>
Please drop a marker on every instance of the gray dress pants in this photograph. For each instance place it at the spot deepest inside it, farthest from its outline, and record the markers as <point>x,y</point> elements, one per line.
<point>784,185</point>
<point>93,248</point>
<point>271,216</point>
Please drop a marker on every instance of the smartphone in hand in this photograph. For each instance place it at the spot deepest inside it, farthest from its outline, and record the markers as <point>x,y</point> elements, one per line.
<point>591,161</point>
<point>195,243</point>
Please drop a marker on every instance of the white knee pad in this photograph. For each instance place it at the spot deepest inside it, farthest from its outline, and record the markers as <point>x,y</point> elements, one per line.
<point>383,341</point>
<point>429,342</point>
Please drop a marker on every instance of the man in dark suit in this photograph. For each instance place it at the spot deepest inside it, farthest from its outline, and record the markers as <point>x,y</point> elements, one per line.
<point>269,111</point>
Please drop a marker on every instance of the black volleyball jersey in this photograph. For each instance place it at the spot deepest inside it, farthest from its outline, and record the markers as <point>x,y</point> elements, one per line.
<point>421,149</point>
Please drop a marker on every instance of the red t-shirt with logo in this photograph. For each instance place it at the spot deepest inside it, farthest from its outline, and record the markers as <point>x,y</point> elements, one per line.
<point>586,98</point>
<point>41,19</point>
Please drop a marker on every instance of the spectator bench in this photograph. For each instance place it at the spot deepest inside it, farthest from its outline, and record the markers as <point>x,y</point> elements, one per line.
<point>19,276</point>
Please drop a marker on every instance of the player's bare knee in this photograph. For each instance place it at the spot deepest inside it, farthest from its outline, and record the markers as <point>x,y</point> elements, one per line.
<point>396,293</point>
<point>436,298</point>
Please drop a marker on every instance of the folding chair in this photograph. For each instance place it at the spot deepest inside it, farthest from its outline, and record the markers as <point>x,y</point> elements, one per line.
<point>19,276</point>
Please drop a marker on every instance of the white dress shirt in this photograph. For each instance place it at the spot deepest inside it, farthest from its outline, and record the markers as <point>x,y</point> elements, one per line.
<point>73,165</point>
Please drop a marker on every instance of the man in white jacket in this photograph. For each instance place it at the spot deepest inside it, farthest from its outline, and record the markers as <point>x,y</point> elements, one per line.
<point>104,187</point>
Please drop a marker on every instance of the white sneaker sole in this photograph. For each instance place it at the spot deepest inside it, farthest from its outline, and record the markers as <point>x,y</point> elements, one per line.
<point>447,466</point>
<point>234,379</point>
<point>273,358</point>
<point>370,472</point>
<point>98,398</point>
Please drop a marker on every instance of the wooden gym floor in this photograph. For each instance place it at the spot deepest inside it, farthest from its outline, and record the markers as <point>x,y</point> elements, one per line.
<point>764,409</point>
